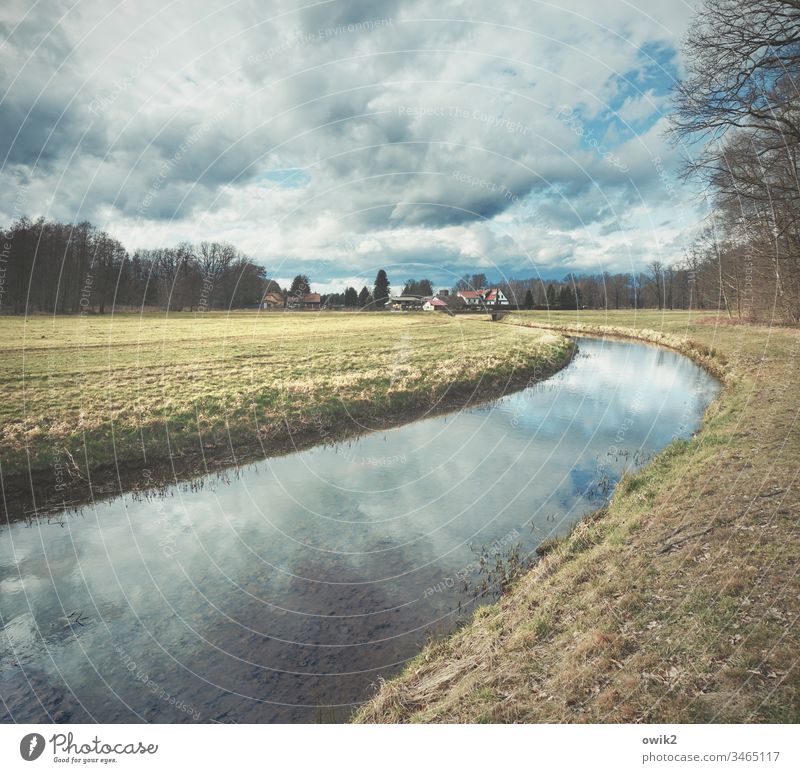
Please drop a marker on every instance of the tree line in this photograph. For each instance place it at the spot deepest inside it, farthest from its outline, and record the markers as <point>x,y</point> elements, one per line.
<point>67,268</point>
<point>658,287</point>
<point>72,268</point>
<point>739,105</point>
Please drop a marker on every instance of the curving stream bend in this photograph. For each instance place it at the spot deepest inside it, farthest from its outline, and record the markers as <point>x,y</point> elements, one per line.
<point>283,594</point>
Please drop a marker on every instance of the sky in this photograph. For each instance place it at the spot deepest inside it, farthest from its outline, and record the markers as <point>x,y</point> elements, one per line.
<point>432,139</point>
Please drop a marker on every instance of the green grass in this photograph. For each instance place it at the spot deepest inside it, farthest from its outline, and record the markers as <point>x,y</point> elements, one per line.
<point>87,394</point>
<point>677,603</point>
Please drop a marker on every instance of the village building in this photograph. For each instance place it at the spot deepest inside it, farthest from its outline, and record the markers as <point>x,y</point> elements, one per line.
<point>272,300</point>
<point>307,301</point>
<point>478,299</point>
<point>405,303</point>
<point>495,296</point>
<point>471,298</point>
<point>434,304</point>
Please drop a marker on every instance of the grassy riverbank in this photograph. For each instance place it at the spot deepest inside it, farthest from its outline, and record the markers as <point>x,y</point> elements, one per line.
<point>677,603</point>
<point>132,400</point>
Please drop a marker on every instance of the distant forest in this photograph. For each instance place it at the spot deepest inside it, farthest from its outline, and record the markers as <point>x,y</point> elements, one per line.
<point>65,269</point>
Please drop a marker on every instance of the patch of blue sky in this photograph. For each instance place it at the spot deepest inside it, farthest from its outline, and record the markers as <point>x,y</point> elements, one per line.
<point>293,177</point>
<point>637,98</point>
<point>649,84</point>
<point>657,70</point>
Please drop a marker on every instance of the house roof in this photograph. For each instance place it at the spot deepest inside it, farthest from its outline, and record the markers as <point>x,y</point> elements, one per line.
<point>437,302</point>
<point>491,294</point>
<point>311,298</point>
<point>470,294</point>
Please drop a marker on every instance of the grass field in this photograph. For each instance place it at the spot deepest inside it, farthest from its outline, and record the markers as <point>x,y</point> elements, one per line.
<point>677,603</point>
<point>88,396</point>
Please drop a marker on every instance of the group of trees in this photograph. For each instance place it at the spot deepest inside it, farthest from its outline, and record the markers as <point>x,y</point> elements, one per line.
<point>352,299</point>
<point>59,268</point>
<point>210,275</point>
<point>659,287</point>
<point>740,101</point>
<point>349,299</point>
<point>67,268</point>
<point>301,285</point>
<point>422,287</point>
<point>471,282</point>
<point>64,268</point>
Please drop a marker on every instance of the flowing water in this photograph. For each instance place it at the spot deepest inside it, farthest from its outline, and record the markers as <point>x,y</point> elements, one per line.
<point>284,593</point>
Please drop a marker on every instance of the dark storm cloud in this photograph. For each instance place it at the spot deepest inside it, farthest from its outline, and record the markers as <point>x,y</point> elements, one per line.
<point>330,16</point>
<point>43,132</point>
<point>43,117</point>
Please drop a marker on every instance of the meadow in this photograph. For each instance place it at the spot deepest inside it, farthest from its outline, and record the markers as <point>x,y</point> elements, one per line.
<point>678,601</point>
<point>93,397</point>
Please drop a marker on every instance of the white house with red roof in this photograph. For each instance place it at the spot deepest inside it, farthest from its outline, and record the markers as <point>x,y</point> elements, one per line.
<point>471,297</point>
<point>495,296</point>
<point>490,296</point>
<point>434,304</point>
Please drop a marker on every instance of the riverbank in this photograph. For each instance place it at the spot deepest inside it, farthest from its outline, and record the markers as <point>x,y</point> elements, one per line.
<point>676,603</point>
<point>100,405</point>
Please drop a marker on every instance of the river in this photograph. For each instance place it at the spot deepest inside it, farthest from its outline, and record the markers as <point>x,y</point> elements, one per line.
<point>282,592</point>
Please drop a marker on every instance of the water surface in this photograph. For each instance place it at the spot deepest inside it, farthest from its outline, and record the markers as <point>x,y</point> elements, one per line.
<point>285,593</point>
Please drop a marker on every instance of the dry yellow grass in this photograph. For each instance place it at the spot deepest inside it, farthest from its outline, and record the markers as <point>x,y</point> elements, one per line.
<point>88,396</point>
<point>677,603</point>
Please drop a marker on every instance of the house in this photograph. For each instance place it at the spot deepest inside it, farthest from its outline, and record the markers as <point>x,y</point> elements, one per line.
<point>309,301</point>
<point>434,304</point>
<point>479,299</point>
<point>471,298</point>
<point>495,297</point>
<point>272,300</point>
<point>405,303</point>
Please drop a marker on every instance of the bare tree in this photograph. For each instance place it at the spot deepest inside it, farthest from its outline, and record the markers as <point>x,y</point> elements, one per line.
<point>740,99</point>
<point>655,282</point>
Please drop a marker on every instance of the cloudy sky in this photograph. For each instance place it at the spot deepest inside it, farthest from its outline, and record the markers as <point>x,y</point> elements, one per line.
<point>520,138</point>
